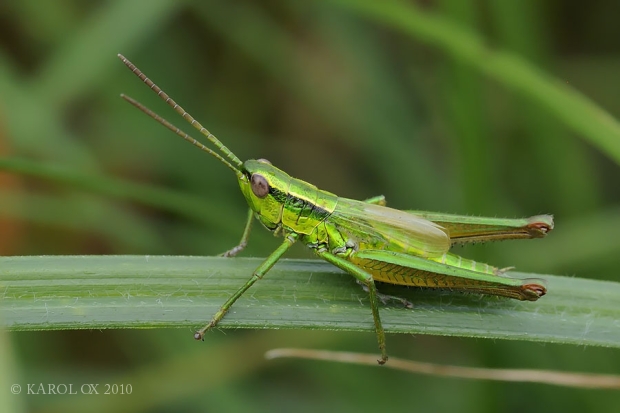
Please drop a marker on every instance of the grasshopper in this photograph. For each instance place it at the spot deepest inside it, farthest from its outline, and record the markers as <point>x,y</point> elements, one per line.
<point>363,238</point>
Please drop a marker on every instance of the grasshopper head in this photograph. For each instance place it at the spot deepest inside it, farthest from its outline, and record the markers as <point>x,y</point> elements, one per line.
<point>265,188</point>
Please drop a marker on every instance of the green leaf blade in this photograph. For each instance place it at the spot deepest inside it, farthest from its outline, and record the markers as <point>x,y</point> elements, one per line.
<point>96,292</point>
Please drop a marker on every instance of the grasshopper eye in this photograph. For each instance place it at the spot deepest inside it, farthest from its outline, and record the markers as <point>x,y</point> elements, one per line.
<point>260,187</point>
<point>263,160</point>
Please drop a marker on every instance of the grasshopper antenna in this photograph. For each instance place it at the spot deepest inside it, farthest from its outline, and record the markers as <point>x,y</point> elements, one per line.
<point>180,132</point>
<point>164,96</point>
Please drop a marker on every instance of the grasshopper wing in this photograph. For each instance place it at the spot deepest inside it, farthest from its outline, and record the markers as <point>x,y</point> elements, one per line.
<point>379,227</point>
<point>465,229</point>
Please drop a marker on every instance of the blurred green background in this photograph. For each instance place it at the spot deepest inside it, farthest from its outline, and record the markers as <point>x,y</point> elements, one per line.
<point>335,93</point>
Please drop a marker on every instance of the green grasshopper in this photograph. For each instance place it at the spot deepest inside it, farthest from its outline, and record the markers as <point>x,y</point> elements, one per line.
<point>364,238</point>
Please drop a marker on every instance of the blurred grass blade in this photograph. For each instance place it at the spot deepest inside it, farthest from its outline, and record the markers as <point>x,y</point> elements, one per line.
<point>77,66</point>
<point>558,378</point>
<point>45,138</point>
<point>567,104</point>
<point>9,402</point>
<point>70,292</point>
<point>184,205</point>
<point>83,214</point>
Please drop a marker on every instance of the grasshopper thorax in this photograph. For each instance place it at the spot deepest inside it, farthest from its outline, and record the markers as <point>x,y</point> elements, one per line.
<point>281,201</point>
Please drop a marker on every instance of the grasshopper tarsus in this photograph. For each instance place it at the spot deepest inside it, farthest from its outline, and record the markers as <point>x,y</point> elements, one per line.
<point>386,298</point>
<point>234,251</point>
<point>244,238</point>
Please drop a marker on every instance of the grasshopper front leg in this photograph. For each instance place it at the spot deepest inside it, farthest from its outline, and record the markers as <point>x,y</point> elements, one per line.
<point>244,238</point>
<point>368,281</point>
<point>257,275</point>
